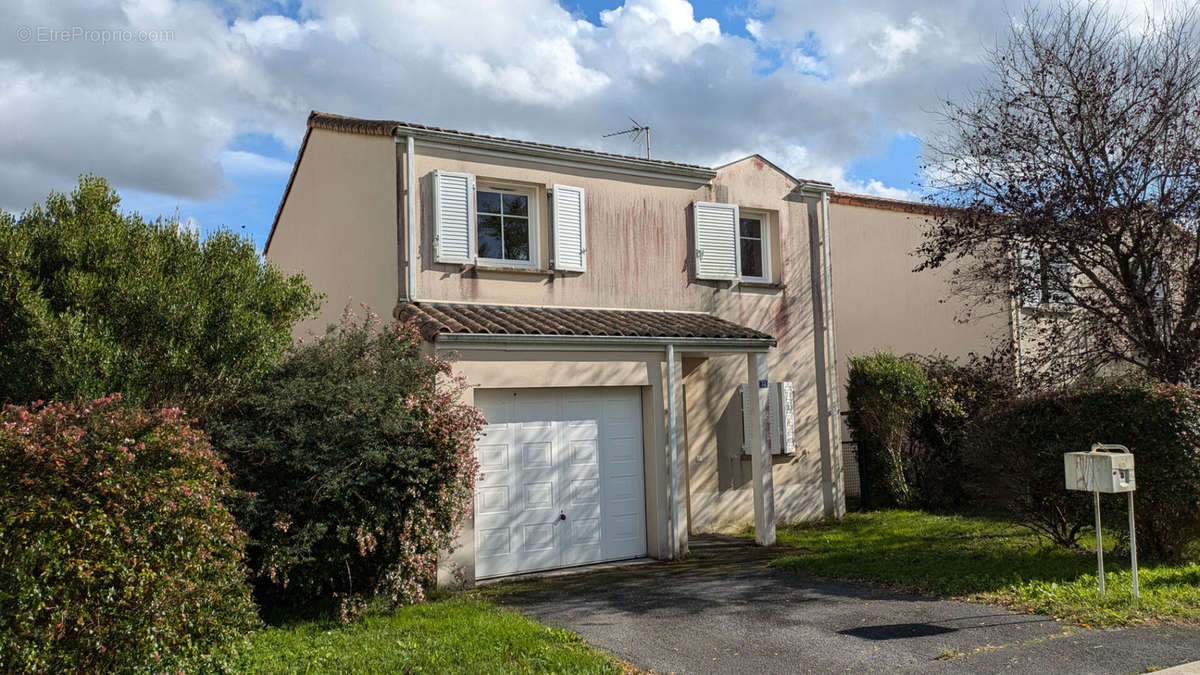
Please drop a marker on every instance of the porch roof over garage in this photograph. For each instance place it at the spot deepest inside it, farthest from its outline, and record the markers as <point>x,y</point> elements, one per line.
<point>438,319</point>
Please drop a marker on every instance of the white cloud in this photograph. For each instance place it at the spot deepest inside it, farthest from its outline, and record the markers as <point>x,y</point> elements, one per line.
<point>159,117</point>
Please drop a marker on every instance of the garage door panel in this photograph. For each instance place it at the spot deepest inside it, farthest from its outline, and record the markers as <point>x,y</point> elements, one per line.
<point>575,452</point>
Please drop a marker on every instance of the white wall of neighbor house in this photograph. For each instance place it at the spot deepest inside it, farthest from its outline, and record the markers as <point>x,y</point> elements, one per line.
<point>881,303</point>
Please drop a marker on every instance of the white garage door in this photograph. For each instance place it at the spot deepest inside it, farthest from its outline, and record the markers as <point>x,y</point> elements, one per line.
<point>561,479</point>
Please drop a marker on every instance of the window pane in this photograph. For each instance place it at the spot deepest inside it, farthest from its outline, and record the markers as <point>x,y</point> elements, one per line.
<point>752,264</point>
<point>488,237</point>
<point>751,227</point>
<point>516,239</point>
<point>487,202</point>
<point>516,205</point>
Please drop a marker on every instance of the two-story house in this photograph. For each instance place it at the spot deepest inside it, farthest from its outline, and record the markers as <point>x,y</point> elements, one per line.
<point>648,340</point>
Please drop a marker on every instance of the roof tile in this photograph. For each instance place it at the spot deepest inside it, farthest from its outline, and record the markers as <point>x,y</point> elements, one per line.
<point>436,318</point>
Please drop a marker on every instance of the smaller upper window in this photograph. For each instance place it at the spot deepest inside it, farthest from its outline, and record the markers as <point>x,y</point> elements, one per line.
<point>506,225</point>
<point>754,234</point>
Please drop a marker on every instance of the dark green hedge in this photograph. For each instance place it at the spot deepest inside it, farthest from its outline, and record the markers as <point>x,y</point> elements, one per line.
<point>1015,460</point>
<point>909,416</point>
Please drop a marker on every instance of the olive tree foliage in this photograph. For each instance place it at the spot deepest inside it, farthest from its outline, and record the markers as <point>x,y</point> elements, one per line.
<point>1071,179</point>
<point>94,300</point>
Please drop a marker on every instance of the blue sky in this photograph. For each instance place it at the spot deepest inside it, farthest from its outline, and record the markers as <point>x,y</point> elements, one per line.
<point>204,118</point>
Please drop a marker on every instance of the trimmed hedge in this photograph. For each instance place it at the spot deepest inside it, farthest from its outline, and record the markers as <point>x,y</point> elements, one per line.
<point>1015,460</point>
<point>117,551</point>
<point>886,393</point>
<point>360,458</point>
<point>909,415</point>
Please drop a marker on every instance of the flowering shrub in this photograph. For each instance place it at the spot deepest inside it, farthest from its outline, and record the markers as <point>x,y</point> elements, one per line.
<point>117,552</point>
<point>359,460</point>
<point>1014,454</point>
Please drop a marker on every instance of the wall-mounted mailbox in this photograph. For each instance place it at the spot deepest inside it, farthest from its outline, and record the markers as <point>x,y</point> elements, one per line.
<point>1100,471</point>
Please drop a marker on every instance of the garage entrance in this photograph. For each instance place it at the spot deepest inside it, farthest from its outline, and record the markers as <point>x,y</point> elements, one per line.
<point>562,479</point>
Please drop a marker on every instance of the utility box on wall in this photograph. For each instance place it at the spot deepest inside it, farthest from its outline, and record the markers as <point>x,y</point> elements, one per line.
<point>1099,471</point>
<point>780,424</point>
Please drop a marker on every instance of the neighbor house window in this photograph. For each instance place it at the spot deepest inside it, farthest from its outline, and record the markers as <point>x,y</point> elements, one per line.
<point>506,225</point>
<point>754,246</point>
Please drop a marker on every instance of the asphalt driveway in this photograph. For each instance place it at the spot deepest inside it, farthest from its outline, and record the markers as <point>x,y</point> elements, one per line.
<point>724,610</point>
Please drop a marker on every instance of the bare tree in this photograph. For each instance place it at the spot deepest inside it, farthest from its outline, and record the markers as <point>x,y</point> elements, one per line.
<point>1072,181</point>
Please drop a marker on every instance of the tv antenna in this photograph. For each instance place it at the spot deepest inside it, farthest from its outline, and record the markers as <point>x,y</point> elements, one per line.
<point>635,132</point>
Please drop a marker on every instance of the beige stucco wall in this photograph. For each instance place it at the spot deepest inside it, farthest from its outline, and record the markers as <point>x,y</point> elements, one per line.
<point>881,303</point>
<point>639,245</point>
<point>338,224</point>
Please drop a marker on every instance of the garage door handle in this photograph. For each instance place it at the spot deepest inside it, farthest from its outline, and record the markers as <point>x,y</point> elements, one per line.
<point>562,516</point>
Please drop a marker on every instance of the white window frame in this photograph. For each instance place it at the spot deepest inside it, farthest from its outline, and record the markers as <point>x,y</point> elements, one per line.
<point>764,219</point>
<point>535,223</point>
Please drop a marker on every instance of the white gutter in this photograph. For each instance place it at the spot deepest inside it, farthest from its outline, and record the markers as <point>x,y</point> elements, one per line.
<point>410,220</point>
<point>672,451</point>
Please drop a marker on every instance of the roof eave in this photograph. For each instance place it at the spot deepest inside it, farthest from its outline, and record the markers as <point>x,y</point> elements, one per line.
<point>522,341</point>
<point>698,175</point>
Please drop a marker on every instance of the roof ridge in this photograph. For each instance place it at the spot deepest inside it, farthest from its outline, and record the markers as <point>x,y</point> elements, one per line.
<point>377,127</point>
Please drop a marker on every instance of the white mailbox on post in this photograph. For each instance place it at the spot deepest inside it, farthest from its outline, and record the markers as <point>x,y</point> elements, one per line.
<point>1100,471</point>
<point>1108,467</point>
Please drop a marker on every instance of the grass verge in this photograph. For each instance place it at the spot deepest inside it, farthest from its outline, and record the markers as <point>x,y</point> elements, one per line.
<point>990,560</point>
<point>458,634</point>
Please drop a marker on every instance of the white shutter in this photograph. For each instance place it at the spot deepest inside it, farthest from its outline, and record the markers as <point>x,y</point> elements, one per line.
<point>570,229</point>
<point>716,240</point>
<point>453,217</point>
<point>783,418</point>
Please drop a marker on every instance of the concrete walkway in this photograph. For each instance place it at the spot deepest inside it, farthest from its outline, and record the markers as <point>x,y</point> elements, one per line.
<point>724,610</point>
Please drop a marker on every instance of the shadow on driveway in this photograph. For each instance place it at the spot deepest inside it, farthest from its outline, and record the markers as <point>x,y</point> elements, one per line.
<point>724,610</point>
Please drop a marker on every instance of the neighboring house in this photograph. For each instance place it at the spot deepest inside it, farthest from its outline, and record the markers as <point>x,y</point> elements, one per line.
<point>881,303</point>
<point>621,322</point>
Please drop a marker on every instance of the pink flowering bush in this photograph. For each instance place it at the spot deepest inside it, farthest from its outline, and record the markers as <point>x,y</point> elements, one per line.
<point>116,552</point>
<point>357,458</point>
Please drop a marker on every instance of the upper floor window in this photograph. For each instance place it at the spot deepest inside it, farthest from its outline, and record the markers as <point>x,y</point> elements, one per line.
<point>494,222</point>
<point>753,240</point>
<point>732,243</point>
<point>503,217</point>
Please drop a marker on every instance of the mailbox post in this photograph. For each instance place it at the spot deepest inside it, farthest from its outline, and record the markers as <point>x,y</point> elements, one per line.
<point>1107,467</point>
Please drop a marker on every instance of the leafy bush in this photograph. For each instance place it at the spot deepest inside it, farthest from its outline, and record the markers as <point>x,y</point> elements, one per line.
<point>886,393</point>
<point>1016,450</point>
<point>361,463</point>
<point>118,553</point>
<point>96,301</point>
<point>934,461</point>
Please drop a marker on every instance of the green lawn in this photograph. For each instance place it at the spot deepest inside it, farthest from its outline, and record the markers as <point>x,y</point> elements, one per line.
<point>458,634</point>
<point>991,560</point>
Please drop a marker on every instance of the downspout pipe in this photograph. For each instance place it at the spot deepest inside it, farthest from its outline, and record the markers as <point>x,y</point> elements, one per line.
<point>410,220</point>
<point>835,437</point>
<point>672,451</point>
<point>829,347</point>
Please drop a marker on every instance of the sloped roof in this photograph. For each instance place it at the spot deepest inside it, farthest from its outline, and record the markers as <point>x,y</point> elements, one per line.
<point>437,318</point>
<point>320,120</point>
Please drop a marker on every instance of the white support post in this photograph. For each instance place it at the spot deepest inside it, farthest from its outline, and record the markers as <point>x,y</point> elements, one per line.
<point>678,530</point>
<point>760,452</point>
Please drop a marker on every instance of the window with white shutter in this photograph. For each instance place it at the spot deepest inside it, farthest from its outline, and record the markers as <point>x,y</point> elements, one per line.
<point>453,221</point>
<point>716,235</point>
<point>570,229</point>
